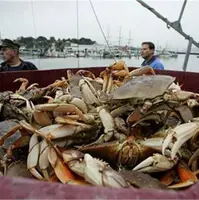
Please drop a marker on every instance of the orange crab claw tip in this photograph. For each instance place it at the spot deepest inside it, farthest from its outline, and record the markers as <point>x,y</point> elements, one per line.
<point>181,185</point>
<point>63,173</point>
<point>185,174</point>
<point>168,178</point>
<point>61,170</point>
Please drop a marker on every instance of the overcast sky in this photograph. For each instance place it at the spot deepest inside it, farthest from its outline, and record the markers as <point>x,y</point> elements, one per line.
<point>59,19</point>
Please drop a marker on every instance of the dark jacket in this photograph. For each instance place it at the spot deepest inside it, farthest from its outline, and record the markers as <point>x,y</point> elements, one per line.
<point>4,67</point>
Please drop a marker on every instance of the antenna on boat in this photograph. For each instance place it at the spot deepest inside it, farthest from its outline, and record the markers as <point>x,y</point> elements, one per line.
<point>102,30</point>
<point>176,25</point>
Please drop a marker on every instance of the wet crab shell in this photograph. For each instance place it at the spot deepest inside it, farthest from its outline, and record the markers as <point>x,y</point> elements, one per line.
<point>143,87</point>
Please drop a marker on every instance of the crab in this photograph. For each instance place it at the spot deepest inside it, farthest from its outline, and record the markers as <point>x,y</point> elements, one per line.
<point>118,73</point>
<point>10,111</point>
<point>148,154</point>
<point>14,138</point>
<point>180,135</point>
<point>34,93</point>
<point>149,93</point>
<point>38,154</point>
<point>126,153</point>
<point>93,170</point>
<point>44,114</point>
<point>156,163</point>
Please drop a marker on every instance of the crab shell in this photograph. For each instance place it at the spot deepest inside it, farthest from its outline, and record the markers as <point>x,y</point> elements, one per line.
<point>143,87</point>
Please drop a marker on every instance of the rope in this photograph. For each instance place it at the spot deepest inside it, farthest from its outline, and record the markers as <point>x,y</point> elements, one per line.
<point>77,12</point>
<point>101,30</point>
<point>34,26</point>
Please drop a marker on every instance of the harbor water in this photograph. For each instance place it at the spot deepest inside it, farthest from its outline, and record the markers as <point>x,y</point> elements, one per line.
<point>71,62</point>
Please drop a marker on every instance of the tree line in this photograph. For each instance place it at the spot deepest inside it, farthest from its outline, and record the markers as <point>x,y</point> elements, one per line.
<point>42,42</point>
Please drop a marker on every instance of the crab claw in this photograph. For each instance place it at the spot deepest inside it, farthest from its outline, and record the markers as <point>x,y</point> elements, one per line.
<point>178,136</point>
<point>155,163</point>
<point>187,177</point>
<point>100,173</point>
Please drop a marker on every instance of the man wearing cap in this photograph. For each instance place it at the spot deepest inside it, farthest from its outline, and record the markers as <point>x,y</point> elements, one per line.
<point>12,62</point>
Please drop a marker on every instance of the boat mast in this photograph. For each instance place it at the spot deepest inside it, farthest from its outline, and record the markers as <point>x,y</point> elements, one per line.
<point>176,25</point>
<point>0,37</point>
<point>129,40</point>
<point>120,32</point>
<point>108,36</point>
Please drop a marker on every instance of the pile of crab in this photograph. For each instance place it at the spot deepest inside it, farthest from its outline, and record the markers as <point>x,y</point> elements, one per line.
<point>121,129</point>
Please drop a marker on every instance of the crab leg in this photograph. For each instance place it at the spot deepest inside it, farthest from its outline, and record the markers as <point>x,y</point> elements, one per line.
<point>179,135</point>
<point>34,85</point>
<point>79,104</point>
<point>33,156</point>
<point>117,83</point>
<point>61,108</point>
<point>42,118</point>
<point>61,170</point>
<point>120,110</point>
<point>193,158</point>
<point>9,133</point>
<point>181,185</point>
<point>110,84</point>
<point>58,83</point>
<point>30,128</point>
<point>105,76</point>
<point>155,163</point>
<point>107,121</point>
<point>24,84</point>
<point>18,96</point>
<point>66,120</point>
<point>85,73</point>
<point>21,142</point>
<point>43,158</point>
<point>141,71</point>
<point>69,74</point>
<point>56,131</point>
<point>87,93</point>
<point>121,73</point>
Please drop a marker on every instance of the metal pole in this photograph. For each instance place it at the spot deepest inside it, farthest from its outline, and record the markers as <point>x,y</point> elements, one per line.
<point>182,10</point>
<point>187,54</point>
<point>168,22</point>
<point>77,13</point>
